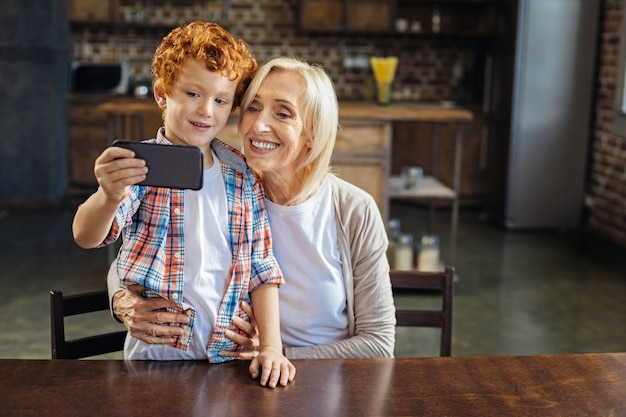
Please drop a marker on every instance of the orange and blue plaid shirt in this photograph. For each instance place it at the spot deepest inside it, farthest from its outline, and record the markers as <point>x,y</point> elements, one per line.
<point>151,222</point>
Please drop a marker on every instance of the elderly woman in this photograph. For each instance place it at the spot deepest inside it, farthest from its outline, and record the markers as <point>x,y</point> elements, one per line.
<point>329,238</point>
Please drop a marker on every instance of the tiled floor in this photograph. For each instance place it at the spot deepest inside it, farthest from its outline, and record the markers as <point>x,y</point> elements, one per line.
<point>518,292</point>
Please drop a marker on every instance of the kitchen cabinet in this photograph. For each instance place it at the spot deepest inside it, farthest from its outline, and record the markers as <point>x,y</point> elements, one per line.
<point>346,15</point>
<point>362,157</point>
<point>136,13</point>
<point>91,10</point>
<point>439,17</point>
<point>89,133</point>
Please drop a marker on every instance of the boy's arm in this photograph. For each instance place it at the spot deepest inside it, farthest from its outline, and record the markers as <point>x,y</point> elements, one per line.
<point>93,220</point>
<point>275,367</point>
<point>115,169</point>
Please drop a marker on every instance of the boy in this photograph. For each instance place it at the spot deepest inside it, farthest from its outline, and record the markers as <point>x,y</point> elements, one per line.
<point>213,242</point>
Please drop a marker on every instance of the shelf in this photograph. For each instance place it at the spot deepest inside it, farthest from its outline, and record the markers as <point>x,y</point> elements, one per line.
<point>432,189</point>
<point>411,18</point>
<point>114,24</point>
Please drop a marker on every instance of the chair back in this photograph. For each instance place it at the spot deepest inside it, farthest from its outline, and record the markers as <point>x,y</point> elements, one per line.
<point>418,282</point>
<point>63,306</point>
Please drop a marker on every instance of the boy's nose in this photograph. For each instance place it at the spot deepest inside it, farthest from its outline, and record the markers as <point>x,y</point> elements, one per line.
<point>206,108</point>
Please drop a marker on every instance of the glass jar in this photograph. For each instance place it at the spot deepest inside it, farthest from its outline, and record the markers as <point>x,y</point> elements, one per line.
<point>428,257</point>
<point>412,177</point>
<point>393,233</point>
<point>403,252</point>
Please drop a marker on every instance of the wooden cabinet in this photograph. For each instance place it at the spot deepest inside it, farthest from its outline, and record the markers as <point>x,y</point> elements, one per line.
<point>439,17</point>
<point>92,10</point>
<point>89,131</point>
<point>137,13</point>
<point>362,155</point>
<point>347,15</point>
<point>87,138</point>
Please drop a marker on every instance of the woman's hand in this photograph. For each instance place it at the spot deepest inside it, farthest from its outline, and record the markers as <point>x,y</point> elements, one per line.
<point>249,340</point>
<point>144,318</point>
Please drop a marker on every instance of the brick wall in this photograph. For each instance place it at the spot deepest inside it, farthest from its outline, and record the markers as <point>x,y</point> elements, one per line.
<point>607,177</point>
<point>425,68</point>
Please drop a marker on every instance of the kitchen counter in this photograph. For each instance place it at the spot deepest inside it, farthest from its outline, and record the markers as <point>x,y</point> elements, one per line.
<point>399,111</point>
<point>404,111</point>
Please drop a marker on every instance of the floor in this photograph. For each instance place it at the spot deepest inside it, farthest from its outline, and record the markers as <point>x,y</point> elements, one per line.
<point>517,293</point>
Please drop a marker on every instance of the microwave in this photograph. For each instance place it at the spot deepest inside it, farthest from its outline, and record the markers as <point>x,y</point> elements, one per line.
<point>99,78</point>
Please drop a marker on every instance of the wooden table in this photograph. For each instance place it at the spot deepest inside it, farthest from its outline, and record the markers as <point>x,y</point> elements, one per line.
<point>550,385</point>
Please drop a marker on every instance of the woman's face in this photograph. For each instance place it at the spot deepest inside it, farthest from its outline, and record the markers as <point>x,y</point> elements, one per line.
<point>274,140</point>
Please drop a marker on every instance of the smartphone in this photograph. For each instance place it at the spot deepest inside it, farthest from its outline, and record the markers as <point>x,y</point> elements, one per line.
<point>169,166</point>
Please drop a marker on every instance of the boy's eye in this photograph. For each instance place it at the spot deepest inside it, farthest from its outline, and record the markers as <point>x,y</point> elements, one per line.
<point>192,94</point>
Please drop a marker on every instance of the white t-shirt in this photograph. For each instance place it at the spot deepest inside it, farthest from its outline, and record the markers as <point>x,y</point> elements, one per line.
<point>208,258</point>
<point>313,299</point>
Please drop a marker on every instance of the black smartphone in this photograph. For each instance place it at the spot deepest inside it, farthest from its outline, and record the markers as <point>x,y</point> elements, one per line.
<point>169,166</point>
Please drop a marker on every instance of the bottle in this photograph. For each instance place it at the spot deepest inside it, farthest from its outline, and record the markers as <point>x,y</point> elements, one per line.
<point>393,232</point>
<point>403,252</point>
<point>436,19</point>
<point>413,177</point>
<point>428,257</point>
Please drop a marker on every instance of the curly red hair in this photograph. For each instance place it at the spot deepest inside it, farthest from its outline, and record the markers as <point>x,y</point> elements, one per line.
<point>207,42</point>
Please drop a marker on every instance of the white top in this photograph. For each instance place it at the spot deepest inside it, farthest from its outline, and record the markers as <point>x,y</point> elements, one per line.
<point>207,265</point>
<point>313,299</point>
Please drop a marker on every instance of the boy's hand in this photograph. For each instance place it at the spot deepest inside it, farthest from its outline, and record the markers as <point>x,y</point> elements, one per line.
<point>116,168</point>
<point>275,367</point>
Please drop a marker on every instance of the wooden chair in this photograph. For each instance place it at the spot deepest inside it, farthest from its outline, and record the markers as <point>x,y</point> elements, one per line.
<point>417,282</point>
<point>62,306</point>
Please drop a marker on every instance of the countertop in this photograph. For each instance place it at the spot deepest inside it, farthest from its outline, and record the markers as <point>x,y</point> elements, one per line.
<point>398,111</point>
<point>407,111</point>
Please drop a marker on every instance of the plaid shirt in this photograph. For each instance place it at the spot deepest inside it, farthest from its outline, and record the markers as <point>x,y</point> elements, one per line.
<point>152,254</point>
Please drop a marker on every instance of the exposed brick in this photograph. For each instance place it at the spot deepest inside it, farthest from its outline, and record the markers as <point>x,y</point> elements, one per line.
<point>607,183</point>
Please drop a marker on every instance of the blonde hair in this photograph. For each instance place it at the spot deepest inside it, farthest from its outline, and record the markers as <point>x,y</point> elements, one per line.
<point>320,115</point>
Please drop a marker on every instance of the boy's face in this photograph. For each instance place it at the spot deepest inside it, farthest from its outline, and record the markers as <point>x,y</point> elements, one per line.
<point>198,107</point>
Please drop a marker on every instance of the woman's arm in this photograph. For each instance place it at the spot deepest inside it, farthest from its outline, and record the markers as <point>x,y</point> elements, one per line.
<point>144,318</point>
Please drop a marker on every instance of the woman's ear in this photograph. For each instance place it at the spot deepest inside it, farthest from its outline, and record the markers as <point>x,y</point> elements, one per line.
<point>159,95</point>
<point>309,141</point>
